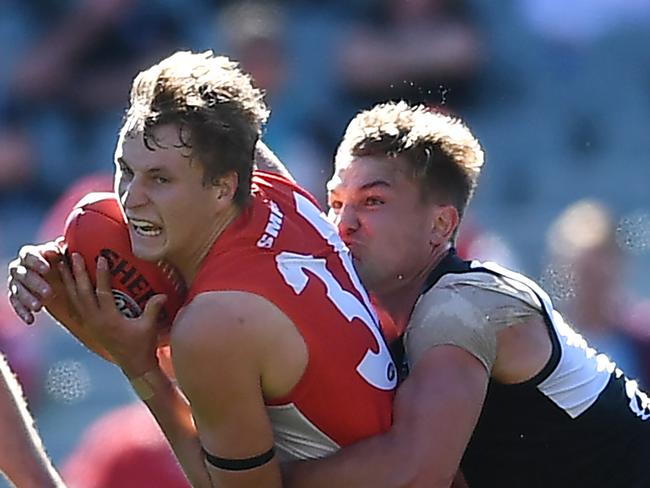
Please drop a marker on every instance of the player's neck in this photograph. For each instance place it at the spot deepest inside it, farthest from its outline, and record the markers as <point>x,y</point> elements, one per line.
<point>220,224</point>
<point>398,301</point>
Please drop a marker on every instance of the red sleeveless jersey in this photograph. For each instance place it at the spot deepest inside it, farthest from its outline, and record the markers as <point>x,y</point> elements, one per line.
<point>283,249</point>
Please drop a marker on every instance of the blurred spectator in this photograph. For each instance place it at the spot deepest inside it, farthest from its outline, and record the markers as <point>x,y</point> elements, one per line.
<point>125,449</point>
<point>418,50</point>
<point>582,21</point>
<point>88,58</point>
<point>473,242</point>
<point>62,100</point>
<point>254,33</point>
<point>587,277</point>
<point>54,222</point>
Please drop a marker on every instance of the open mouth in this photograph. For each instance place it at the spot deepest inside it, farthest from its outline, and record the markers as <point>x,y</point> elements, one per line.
<point>145,228</point>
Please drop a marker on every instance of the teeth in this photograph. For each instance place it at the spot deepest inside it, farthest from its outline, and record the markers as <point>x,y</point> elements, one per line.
<point>145,228</point>
<point>146,232</point>
<point>141,222</point>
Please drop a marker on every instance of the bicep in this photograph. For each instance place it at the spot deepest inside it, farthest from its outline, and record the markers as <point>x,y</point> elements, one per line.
<point>220,375</point>
<point>439,405</point>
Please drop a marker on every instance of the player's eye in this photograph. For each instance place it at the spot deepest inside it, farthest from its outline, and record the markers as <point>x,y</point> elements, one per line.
<point>373,202</point>
<point>161,180</point>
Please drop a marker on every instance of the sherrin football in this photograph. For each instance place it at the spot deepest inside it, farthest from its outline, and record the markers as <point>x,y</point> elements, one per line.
<point>97,227</point>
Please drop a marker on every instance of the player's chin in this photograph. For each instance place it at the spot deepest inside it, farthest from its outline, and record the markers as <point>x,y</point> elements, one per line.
<point>364,272</point>
<point>146,249</point>
<point>371,275</point>
<point>359,260</point>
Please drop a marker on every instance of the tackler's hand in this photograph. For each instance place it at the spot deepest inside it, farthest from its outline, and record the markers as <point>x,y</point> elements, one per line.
<point>131,342</point>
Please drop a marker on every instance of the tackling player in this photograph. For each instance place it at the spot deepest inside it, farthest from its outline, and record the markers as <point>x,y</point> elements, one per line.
<point>554,411</point>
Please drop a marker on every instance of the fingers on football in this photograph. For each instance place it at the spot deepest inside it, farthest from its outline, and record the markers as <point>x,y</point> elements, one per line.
<point>104,292</point>
<point>31,258</point>
<point>23,295</point>
<point>85,289</point>
<point>70,287</point>
<point>22,312</point>
<point>32,282</point>
<point>153,307</point>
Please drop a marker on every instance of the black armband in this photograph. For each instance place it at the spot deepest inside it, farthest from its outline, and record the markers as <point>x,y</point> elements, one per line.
<point>239,464</point>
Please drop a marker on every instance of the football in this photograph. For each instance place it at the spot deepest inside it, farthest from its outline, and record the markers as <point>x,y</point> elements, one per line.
<point>97,227</point>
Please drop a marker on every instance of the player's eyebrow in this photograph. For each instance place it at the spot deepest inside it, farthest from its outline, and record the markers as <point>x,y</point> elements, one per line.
<point>368,186</point>
<point>154,169</point>
<point>375,184</point>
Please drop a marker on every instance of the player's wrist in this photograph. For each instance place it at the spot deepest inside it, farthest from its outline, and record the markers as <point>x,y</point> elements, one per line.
<point>137,363</point>
<point>151,383</point>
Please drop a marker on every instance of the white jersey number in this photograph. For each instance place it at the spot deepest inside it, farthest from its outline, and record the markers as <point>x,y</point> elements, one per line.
<point>376,368</point>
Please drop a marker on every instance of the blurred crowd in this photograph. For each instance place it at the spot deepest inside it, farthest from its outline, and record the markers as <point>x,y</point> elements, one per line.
<point>557,92</point>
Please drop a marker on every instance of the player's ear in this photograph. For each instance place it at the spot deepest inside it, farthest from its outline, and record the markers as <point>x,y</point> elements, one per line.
<point>225,186</point>
<point>445,221</point>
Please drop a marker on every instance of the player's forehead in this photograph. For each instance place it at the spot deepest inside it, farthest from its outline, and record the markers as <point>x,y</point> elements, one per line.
<point>163,150</point>
<point>358,174</point>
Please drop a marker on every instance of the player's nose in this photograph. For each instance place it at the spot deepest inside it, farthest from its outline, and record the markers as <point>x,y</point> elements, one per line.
<point>346,220</point>
<point>132,194</point>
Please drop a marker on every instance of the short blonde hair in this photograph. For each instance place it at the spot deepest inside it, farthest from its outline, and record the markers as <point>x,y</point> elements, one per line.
<point>445,157</point>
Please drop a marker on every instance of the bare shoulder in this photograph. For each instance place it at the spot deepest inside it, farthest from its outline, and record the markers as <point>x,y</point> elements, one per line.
<point>235,329</point>
<point>223,318</point>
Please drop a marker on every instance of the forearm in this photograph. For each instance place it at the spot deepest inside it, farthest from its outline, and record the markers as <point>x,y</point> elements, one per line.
<point>435,411</point>
<point>22,457</point>
<point>174,416</point>
<point>378,462</point>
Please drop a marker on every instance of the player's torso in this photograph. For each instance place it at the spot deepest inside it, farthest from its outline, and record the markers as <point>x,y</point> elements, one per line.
<point>283,250</point>
<point>576,423</point>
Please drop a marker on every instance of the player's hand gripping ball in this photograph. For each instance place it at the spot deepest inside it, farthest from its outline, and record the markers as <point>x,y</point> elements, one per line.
<point>97,227</point>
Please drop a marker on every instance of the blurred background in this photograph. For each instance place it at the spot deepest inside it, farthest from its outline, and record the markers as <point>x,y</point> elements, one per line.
<point>558,92</point>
